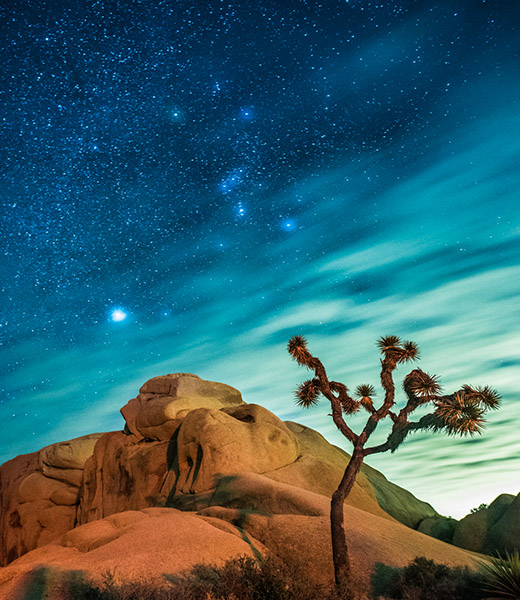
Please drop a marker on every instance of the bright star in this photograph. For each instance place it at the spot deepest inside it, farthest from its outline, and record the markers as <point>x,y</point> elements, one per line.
<point>247,114</point>
<point>118,315</point>
<point>176,115</point>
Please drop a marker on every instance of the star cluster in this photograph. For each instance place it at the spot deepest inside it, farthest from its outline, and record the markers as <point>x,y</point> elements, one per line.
<point>185,183</point>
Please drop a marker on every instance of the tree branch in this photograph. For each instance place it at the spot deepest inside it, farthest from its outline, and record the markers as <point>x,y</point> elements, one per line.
<point>335,402</point>
<point>400,431</point>
<point>388,364</point>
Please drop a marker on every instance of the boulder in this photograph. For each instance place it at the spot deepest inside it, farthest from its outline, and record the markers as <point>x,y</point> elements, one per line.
<point>39,494</point>
<point>473,531</point>
<point>372,491</point>
<point>248,438</point>
<point>320,467</point>
<point>504,529</point>
<point>157,542</point>
<point>124,473</point>
<point>67,455</point>
<point>164,401</point>
<point>36,486</point>
<point>253,493</point>
<point>185,441</point>
<point>438,527</point>
<point>127,473</point>
<point>134,545</point>
<point>13,540</point>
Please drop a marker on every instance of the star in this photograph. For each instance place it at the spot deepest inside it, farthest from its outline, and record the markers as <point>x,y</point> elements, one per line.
<point>247,114</point>
<point>118,315</point>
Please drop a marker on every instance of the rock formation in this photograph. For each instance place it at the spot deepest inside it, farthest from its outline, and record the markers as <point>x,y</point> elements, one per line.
<point>39,495</point>
<point>492,529</point>
<point>164,401</point>
<point>242,478</point>
<point>439,527</point>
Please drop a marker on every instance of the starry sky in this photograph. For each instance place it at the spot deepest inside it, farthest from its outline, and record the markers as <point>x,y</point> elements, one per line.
<point>185,185</point>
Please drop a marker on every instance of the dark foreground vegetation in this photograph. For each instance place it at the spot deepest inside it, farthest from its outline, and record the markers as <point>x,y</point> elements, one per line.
<point>246,579</point>
<point>238,579</point>
<point>425,579</point>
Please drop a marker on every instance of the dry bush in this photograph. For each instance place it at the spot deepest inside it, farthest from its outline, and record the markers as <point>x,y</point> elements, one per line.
<point>241,578</point>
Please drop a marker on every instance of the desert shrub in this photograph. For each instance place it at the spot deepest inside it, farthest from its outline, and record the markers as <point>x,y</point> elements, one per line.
<point>425,579</point>
<point>238,579</point>
<point>479,508</point>
<point>502,577</point>
<point>244,578</point>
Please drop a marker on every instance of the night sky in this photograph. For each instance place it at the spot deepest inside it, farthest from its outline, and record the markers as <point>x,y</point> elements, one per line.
<point>185,185</point>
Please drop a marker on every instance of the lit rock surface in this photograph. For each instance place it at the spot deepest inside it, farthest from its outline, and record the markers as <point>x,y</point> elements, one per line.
<point>248,438</point>
<point>146,544</point>
<point>155,542</point>
<point>163,401</point>
<point>39,494</point>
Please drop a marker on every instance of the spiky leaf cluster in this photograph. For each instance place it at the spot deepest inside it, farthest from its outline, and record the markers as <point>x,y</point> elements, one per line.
<point>484,395</point>
<point>460,414</point>
<point>420,387</point>
<point>388,342</point>
<point>308,392</point>
<point>297,348</point>
<point>410,351</point>
<point>348,404</point>
<point>393,348</point>
<point>365,392</point>
<point>502,576</point>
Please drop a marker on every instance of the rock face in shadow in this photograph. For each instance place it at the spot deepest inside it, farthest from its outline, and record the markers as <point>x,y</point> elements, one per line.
<point>187,443</point>
<point>439,527</point>
<point>492,529</point>
<point>504,534</point>
<point>39,495</point>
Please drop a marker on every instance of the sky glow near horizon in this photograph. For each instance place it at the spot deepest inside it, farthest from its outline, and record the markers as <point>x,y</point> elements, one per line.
<point>230,177</point>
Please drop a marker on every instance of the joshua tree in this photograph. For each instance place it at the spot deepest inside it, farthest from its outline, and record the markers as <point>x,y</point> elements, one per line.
<point>459,413</point>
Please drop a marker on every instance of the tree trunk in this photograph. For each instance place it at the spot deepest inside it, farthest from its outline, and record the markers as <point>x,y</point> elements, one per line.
<point>340,556</point>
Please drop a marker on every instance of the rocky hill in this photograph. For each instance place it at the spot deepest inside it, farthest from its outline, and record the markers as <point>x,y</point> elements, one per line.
<point>197,475</point>
<point>494,529</point>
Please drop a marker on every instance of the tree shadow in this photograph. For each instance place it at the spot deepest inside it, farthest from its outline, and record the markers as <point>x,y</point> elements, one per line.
<point>221,495</point>
<point>38,583</point>
<point>169,485</point>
